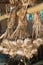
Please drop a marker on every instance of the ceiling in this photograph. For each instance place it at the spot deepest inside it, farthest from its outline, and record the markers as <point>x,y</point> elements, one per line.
<point>7,1</point>
<point>4,1</point>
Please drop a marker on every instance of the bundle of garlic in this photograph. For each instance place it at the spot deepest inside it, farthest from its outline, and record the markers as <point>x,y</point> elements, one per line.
<point>24,48</point>
<point>37,42</point>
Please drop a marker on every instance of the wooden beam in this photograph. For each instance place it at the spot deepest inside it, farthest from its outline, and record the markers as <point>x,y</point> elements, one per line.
<point>35,8</point>
<point>6,16</point>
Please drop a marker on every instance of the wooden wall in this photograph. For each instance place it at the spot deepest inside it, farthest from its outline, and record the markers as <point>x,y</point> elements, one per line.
<point>3,8</point>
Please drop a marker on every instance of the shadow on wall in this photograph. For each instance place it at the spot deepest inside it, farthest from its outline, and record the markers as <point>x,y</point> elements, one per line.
<point>29,28</point>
